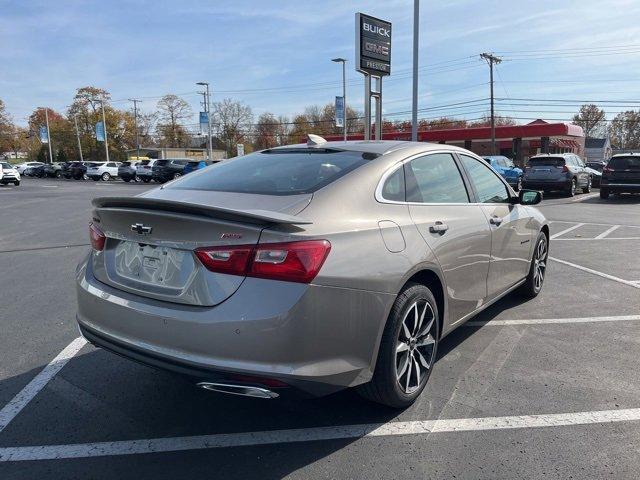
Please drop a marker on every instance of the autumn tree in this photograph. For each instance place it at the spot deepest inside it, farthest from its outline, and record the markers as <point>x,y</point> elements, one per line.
<point>85,109</point>
<point>172,111</point>
<point>625,130</point>
<point>60,131</point>
<point>233,123</point>
<point>266,131</point>
<point>592,120</point>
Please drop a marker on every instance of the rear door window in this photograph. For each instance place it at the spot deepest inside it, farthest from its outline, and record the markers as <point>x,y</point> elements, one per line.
<point>435,178</point>
<point>289,171</point>
<point>394,188</point>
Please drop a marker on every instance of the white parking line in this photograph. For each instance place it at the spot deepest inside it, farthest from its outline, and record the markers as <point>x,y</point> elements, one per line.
<point>567,230</point>
<point>591,223</point>
<point>586,239</point>
<point>425,427</point>
<point>542,321</point>
<point>582,198</point>
<point>27,394</point>
<point>596,272</point>
<point>607,232</point>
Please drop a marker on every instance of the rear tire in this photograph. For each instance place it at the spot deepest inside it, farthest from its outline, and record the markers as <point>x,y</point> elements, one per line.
<point>106,177</point>
<point>146,180</point>
<point>519,184</point>
<point>587,189</point>
<point>407,350</point>
<point>176,175</point>
<point>604,193</point>
<point>538,269</point>
<point>572,188</point>
<point>127,179</point>
<point>16,183</point>
<point>58,174</point>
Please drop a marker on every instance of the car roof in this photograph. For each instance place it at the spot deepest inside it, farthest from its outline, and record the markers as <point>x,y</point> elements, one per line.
<point>380,147</point>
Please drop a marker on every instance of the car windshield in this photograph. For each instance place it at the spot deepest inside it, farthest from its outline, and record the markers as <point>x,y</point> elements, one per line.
<point>5,165</point>
<point>625,163</point>
<point>547,162</point>
<point>277,172</point>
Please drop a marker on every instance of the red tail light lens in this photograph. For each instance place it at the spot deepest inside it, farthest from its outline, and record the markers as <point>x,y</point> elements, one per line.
<point>607,170</point>
<point>565,169</point>
<point>291,262</point>
<point>97,237</point>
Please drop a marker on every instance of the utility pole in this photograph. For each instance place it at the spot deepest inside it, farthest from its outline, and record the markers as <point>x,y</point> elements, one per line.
<point>414,100</point>
<point>75,121</point>
<point>491,60</point>
<point>207,108</point>
<point>46,117</point>
<point>135,117</point>
<point>104,124</point>
<point>344,95</point>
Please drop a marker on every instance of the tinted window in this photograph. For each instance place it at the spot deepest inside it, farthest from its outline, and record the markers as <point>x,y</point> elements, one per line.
<point>626,163</point>
<point>276,172</point>
<point>435,179</point>
<point>547,161</point>
<point>161,163</point>
<point>5,165</point>
<point>489,187</point>
<point>393,188</point>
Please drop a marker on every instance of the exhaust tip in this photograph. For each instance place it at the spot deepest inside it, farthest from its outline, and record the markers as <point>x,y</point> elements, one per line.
<point>243,390</point>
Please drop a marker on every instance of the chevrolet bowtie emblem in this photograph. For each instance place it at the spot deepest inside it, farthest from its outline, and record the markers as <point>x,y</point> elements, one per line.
<point>141,229</point>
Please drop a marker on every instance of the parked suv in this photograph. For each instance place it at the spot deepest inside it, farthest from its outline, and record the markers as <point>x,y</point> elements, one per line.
<point>168,169</point>
<point>143,170</point>
<point>103,171</point>
<point>127,171</point>
<point>9,174</point>
<point>53,170</point>
<point>621,175</point>
<point>561,171</point>
<point>505,167</point>
<point>78,170</point>
<point>23,166</point>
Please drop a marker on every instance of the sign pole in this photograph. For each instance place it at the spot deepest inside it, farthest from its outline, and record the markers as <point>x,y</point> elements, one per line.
<point>46,117</point>
<point>378,100</point>
<point>104,124</point>
<point>367,107</point>
<point>75,121</point>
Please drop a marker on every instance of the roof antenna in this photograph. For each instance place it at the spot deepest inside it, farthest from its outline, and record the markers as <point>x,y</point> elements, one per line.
<point>315,140</point>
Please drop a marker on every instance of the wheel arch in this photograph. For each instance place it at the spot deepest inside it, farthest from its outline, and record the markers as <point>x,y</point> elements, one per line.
<point>433,281</point>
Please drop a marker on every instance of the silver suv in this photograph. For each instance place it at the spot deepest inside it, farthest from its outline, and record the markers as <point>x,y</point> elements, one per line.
<point>562,171</point>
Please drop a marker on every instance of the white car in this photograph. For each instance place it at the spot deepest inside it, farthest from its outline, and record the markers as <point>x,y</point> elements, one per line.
<point>143,170</point>
<point>103,171</point>
<point>23,166</point>
<point>9,174</point>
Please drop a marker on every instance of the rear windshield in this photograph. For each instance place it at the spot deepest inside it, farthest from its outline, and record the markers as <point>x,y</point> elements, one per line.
<point>160,163</point>
<point>125,164</point>
<point>276,172</point>
<point>144,162</point>
<point>626,163</point>
<point>547,162</point>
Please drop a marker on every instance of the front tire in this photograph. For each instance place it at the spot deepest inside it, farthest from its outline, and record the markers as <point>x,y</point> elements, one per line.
<point>146,180</point>
<point>407,350</point>
<point>176,175</point>
<point>538,269</point>
<point>519,184</point>
<point>587,189</point>
<point>16,183</point>
<point>604,193</point>
<point>106,177</point>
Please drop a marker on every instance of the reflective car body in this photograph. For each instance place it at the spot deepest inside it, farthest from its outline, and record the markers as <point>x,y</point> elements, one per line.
<point>9,174</point>
<point>382,213</point>
<point>621,174</point>
<point>561,171</point>
<point>505,167</point>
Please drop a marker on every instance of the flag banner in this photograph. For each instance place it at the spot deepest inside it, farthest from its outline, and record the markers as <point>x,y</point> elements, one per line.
<point>100,132</point>
<point>339,111</point>
<point>204,123</point>
<point>43,134</point>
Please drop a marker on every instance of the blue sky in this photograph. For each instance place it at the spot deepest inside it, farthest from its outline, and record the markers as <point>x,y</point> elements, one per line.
<point>275,55</point>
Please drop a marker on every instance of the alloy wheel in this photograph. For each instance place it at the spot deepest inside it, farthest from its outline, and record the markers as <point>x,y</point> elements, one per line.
<point>540,263</point>
<point>415,346</point>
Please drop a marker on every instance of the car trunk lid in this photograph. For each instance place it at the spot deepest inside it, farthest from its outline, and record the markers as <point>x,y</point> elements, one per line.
<point>149,249</point>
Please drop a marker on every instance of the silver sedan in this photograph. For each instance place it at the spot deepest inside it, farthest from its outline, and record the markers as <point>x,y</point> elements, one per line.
<point>309,268</point>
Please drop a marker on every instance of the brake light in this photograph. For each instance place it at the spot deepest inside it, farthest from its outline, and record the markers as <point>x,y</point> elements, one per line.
<point>97,237</point>
<point>565,169</point>
<point>607,170</point>
<point>291,262</point>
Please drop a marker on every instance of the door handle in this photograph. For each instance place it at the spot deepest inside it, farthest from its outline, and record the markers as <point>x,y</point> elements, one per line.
<point>439,227</point>
<point>495,221</point>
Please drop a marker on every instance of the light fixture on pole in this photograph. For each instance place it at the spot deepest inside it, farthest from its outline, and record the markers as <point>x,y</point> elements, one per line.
<point>344,95</point>
<point>207,108</point>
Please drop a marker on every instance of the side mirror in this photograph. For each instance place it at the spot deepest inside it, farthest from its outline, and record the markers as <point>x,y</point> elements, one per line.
<point>529,197</point>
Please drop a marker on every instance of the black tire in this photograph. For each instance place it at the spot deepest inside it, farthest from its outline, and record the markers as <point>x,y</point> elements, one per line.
<point>16,183</point>
<point>532,287</point>
<point>58,174</point>
<point>105,177</point>
<point>384,387</point>
<point>571,190</point>
<point>95,179</point>
<point>177,175</point>
<point>146,180</point>
<point>604,193</point>
<point>126,180</point>
<point>587,189</point>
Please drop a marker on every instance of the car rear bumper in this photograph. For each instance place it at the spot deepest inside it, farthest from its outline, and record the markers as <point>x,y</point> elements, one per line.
<point>620,186</point>
<point>546,184</point>
<point>316,339</point>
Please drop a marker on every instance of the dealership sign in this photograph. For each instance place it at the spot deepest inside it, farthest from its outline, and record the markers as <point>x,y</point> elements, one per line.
<point>373,45</point>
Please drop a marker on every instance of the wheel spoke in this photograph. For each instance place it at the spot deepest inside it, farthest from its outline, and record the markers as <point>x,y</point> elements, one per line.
<point>423,360</point>
<point>427,328</point>
<point>426,341</point>
<point>405,364</point>
<point>416,319</point>
<point>409,362</point>
<point>416,369</point>
<point>402,347</point>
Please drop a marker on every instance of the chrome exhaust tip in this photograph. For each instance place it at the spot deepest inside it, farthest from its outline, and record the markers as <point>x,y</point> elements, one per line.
<point>243,390</point>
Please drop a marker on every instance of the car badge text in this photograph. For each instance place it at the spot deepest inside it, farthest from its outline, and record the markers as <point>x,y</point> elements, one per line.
<point>141,229</point>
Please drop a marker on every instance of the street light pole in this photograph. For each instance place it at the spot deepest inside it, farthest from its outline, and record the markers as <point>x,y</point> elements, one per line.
<point>135,120</point>
<point>75,121</point>
<point>344,95</point>
<point>414,100</point>
<point>104,125</point>
<point>46,117</point>
<point>207,108</point>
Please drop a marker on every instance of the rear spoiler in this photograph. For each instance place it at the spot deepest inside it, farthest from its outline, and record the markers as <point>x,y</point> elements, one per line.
<point>214,211</point>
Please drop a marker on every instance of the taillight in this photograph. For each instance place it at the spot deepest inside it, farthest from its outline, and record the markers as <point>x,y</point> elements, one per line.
<point>607,170</point>
<point>97,237</point>
<point>291,262</point>
<point>565,169</point>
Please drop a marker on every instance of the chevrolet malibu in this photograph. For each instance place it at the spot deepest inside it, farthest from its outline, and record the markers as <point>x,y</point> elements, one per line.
<point>309,268</point>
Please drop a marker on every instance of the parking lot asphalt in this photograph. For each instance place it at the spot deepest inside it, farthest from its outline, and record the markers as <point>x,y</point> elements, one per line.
<point>548,387</point>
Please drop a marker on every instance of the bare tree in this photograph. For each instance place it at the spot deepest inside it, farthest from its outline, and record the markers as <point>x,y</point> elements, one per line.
<point>592,120</point>
<point>232,120</point>
<point>172,111</point>
<point>625,130</point>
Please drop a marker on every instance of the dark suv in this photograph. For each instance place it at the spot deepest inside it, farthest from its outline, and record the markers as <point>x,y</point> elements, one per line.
<point>621,175</point>
<point>127,171</point>
<point>562,171</point>
<point>168,169</point>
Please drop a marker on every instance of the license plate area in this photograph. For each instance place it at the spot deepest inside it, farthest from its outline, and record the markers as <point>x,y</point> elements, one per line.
<point>151,266</point>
